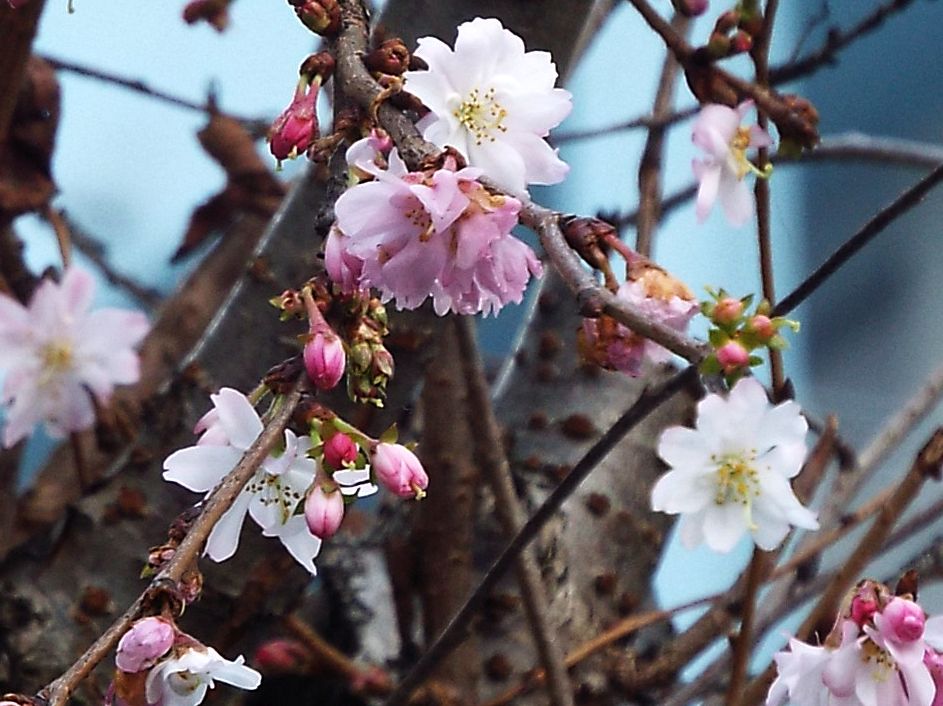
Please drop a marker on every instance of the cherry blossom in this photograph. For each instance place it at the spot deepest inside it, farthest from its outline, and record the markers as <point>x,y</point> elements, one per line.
<point>438,233</point>
<point>492,101</point>
<point>800,675</point>
<point>721,173</point>
<point>324,511</point>
<point>148,640</point>
<point>271,497</point>
<point>730,475</point>
<point>61,359</point>
<point>184,679</point>
<point>399,469</point>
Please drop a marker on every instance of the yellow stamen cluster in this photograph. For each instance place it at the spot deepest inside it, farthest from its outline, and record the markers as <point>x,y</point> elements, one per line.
<point>481,115</point>
<point>737,479</point>
<point>738,148</point>
<point>883,664</point>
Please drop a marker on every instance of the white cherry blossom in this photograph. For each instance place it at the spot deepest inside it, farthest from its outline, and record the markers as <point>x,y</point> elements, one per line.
<point>730,475</point>
<point>58,356</point>
<point>271,497</point>
<point>492,101</point>
<point>183,680</point>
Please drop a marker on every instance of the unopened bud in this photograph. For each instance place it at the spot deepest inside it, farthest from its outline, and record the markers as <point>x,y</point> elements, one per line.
<point>901,621</point>
<point>391,57</point>
<point>324,511</point>
<point>741,42</point>
<point>691,8</point>
<point>727,311</point>
<point>320,16</point>
<point>297,127</point>
<point>320,64</point>
<point>147,641</point>
<point>399,469</point>
<point>718,46</point>
<point>382,361</point>
<point>340,450</point>
<point>325,359</point>
<point>732,357</point>
<point>281,656</point>
<point>762,326</point>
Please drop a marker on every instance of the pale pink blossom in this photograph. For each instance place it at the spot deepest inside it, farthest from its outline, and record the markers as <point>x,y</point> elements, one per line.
<point>324,511</point>
<point>147,641</point>
<point>615,346</point>
<point>492,101</point>
<point>799,676</point>
<point>730,475</point>
<point>721,173</point>
<point>439,234</point>
<point>59,356</point>
<point>271,497</point>
<point>398,468</point>
<point>184,679</point>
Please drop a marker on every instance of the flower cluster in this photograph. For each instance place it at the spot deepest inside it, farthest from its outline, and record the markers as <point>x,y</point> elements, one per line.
<point>883,651</point>
<point>492,101</point>
<point>730,474</point>
<point>718,133</point>
<point>736,333</point>
<point>609,344</point>
<point>271,497</point>
<point>61,359</point>
<point>438,233</point>
<point>179,669</point>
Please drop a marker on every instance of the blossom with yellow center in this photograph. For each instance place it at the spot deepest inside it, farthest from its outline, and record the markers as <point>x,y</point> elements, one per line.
<point>730,474</point>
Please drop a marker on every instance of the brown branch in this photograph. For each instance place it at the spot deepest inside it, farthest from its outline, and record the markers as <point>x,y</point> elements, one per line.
<point>17,30</point>
<point>489,450</point>
<point>257,126</point>
<point>58,691</point>
<point>926,465</point>
<point>649,173</point>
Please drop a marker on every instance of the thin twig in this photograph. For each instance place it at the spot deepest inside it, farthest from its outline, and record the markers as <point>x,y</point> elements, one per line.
<point>836,41</point>
<point>649,171</point>
<point>257,126</point>
<point>648,121</point>
<point>489,450</point>
<point>903,203</point>
<point>57,692</point>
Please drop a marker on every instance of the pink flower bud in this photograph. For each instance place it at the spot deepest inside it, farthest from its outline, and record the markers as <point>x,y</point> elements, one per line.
<point>324,511</point>
<point>762,326</point>
<point>339,450</point>
<point>901,621</point>
<point>297,127</point>
<point>325,359</point>
<point>691,8</point>
<point>281,656</point>
<point>741,42</point>
<point>863,608</point>
<point>148,640</point>
<point>398,469</point>
<point>732,356</point>
<point>727,311</point>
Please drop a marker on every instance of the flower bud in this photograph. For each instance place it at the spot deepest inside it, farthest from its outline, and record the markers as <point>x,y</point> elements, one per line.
<point>281,656</point>
<point>732,356</point>
<point>325,359</point>
<point>147,641</point>
<point>391,57</point>
<point>214,12</point>
<point>727,311</point>
<point>691,8</point>
<point>320,16</point>
<point>901,621</point>
<point>762,326</point>
<point>741,42</point>
<point>297,127</point>
<point>340,450</point>
<point>319,65</point>
<point>324,511</point>
<point>863,608</point>
<point>382,361</point>
<point>398,469</point>
<point>727,21</point>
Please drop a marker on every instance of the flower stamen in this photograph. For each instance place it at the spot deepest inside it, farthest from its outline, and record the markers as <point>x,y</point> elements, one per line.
<point>737,479</point>
<point>481,115</point>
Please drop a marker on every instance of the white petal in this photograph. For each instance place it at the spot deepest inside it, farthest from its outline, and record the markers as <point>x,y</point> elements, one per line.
<point>709,177</point>
<point>933,632</point>
<point>542,164</point>
<point>238,417</point>
<point>677,492</point>
<point>736,198</point>
<point>224,539</point>
<point>692,529</point>
<point>505,166</point>
<point>299,542</point>
<point>234,673</point>
<point>682,447</point>
<point>724,525</point>
<point>200,468</point>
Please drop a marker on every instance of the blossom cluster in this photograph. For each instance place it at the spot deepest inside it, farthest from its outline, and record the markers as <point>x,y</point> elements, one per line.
<point>62,359</point>
<point>436,233</point>
<point>883,651</point>
<point>178,670</point>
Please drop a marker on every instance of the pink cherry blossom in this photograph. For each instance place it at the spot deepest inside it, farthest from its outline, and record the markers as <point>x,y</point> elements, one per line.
<point>614,346</point>
<point>902,621</point>
<point>721,173</point>
<point>147,641</point>
<point>59,356</point>
<point>398,469</point>
<point>340,450</point>
<point>492,101</point>
<point>439,234</point>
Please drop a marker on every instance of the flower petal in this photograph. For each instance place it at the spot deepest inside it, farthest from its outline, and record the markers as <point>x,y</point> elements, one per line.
<point>200,468</point>
<point>224,538</point>
<point>238,417</point>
